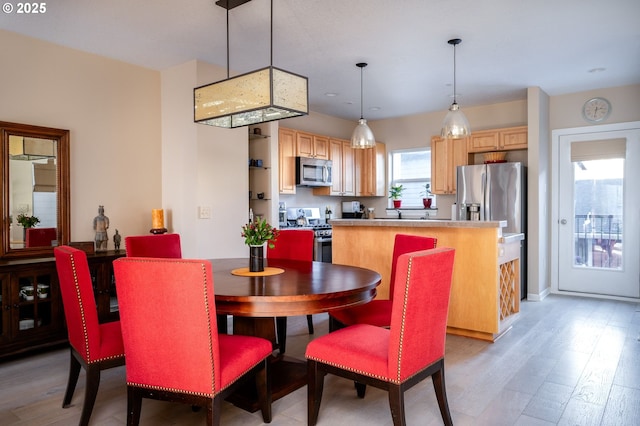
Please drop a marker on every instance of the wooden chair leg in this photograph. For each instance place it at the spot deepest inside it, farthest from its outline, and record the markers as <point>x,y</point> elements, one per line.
<point>263,384</point>
<point>396,403</point>
<point>213,411</point>
<point>361,389</point>
<point>222,323</point>
<point>315,384</point>
<point>441,395</point>
<point>310,323</point>
<point>281,331</point>
<point>134,406</point>
<point>334,324</point>
<point>74,372</point>
<point>90,393</point>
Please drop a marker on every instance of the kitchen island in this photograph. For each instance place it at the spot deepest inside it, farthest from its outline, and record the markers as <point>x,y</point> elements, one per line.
<point>485,292</point>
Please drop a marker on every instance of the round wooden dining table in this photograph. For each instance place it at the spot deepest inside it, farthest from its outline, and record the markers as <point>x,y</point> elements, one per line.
<point>295,288</point>
<point>301,288</point>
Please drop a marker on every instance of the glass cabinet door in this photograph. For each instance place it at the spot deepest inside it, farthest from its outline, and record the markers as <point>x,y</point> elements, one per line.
<point>33,304</point>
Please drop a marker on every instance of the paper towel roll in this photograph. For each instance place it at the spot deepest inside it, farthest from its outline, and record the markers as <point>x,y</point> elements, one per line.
<point>454,211</point>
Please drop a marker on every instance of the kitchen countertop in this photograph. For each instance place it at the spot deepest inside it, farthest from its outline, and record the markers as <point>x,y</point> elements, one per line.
<point>511,238</point>
<point>419,223</point>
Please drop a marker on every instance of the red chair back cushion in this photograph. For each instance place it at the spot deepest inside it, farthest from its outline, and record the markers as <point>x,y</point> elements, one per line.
<point>162,245</point>
<point>168,317</point>
<point>406,244</point>
<point>420,309</point>
<point>78,301</point>
<point>293,244</point>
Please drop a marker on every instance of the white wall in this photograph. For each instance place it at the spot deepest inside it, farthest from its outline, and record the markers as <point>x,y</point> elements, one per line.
<point>566,110</point>
<point>202,166</point>
<point>538,238</point>
<point>112,110</point>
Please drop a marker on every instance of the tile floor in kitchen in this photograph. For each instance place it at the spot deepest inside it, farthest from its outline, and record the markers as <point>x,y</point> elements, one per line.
<point>567,361</point>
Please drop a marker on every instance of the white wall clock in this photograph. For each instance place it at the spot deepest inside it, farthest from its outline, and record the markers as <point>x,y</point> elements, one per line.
<point>596,110</point>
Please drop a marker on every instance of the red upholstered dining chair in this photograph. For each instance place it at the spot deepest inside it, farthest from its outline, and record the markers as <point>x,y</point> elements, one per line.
<point>378,311</point>
<point>397,358</point>
<point>40,237</point>
<point>94,346</point>
<point>174,353</point>
<point>161,245</point>
<point>292,244</point>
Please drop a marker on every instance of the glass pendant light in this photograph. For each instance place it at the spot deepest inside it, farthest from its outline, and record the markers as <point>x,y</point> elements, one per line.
<point>362,136</point>
<point>455,125</point>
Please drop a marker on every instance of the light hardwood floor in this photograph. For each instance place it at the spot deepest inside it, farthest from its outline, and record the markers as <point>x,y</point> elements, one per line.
<point>567,361</point>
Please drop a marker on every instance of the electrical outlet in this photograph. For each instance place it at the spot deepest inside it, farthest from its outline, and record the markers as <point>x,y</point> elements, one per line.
<point>204,212</point>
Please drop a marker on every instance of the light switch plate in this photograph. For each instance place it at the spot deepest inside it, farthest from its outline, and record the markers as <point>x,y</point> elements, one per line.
<point>204,212</point>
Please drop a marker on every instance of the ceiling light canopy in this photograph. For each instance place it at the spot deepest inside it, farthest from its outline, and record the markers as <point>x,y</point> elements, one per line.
<point>455,125</point>
<point>362,136</point>
<point>266,94</point>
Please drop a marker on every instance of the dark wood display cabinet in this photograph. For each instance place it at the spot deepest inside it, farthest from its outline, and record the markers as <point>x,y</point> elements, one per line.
<point>32,315</point>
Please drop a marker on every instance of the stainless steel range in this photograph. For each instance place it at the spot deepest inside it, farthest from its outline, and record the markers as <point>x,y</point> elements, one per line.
<point>322,243</point>
<point>309,218</point>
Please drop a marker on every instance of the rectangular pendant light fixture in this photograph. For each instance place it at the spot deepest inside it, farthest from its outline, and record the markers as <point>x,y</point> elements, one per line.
<point>259,96</point>
<point>263,95</point>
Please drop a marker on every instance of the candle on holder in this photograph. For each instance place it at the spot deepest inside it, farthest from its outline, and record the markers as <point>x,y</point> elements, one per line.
<point>157,218</point>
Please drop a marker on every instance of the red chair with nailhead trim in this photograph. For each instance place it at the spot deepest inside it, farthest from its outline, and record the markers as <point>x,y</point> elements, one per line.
<point>94,346</point>
<point>174,352</point>
<point>397,358</point>
<point>378,311</point>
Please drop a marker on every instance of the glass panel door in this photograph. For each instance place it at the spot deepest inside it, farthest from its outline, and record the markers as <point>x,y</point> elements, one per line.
<point>598,240</point>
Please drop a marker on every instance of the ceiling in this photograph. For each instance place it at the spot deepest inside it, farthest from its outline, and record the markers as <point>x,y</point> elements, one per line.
<point>562,46</point>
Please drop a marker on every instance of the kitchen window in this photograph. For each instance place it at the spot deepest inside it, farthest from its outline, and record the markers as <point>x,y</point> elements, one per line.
<point>410,168</point>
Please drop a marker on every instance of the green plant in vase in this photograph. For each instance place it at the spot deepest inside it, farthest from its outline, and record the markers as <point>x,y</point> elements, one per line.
<point>255,235</point>
<point>426,196</point>
<point>395,193</point>
<point>27,221</point>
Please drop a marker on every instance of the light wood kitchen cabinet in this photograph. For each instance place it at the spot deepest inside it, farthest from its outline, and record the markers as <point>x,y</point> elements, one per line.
<point>446,156</point>
<point>510,138</point>
<point>287,160</point>
<point>343,170</point>
<point>313,146</point>
<point>370,171</point>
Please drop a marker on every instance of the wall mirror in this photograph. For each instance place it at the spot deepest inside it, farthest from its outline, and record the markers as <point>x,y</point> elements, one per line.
<point>35,190</point>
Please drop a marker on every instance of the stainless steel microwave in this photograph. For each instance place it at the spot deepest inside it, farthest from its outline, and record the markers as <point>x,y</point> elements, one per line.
<point>313,172</point>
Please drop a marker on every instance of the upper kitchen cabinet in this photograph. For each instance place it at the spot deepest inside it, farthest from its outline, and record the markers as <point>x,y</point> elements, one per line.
<point>446,156</point>
<point>313,146</point>
<point>371,171</point>
<point>287,160</point>
<point>498,139</point>
<point>343,170</point>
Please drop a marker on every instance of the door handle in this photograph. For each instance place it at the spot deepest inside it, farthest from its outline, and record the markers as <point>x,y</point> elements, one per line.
<point>563,221</point>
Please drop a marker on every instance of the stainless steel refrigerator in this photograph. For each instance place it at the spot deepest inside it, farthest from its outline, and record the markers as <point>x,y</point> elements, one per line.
<point>495,192</point>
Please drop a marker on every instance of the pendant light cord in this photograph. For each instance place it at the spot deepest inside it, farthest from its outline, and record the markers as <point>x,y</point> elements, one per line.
<point>361,94</point>
<point>227,43</point>
<point>454,73</point>
<point>454,42</point>
<point>270,39</point>
<point>361,65</point>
